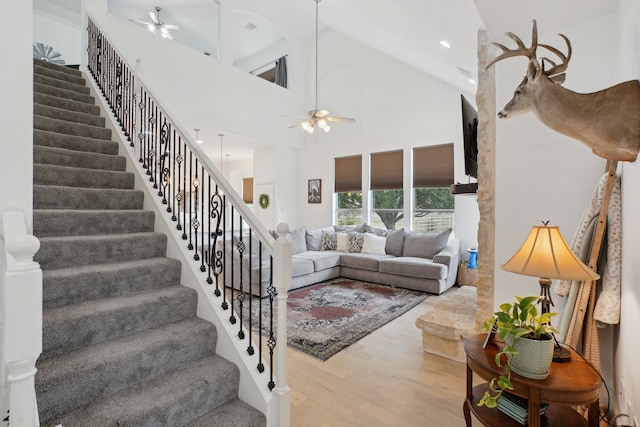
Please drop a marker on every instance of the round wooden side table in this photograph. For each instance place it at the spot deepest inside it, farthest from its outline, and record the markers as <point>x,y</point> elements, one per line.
<point>569,384</point>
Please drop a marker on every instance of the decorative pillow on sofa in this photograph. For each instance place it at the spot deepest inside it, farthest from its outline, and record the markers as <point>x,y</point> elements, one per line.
<point>329,241</point>
<point>342,241</point>
<point>314,238</point>
<point>356,240</point>
<point>297,239</point>
<point>374,244</point>
<point>395,242</point>
<point>425,245</point>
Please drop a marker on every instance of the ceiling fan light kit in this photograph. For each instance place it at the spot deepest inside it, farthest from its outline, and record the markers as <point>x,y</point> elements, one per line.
<point>319,119</point>
<point>157,26</point>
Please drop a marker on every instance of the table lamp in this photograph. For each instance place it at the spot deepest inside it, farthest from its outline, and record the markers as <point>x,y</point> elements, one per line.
<point>546,254</point>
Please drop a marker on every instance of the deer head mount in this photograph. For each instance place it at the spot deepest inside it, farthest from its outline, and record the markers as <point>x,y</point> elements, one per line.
<point>607,121</point>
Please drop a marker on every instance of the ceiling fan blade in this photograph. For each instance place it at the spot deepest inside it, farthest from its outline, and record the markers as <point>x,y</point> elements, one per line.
<point>172,26</point>
<point>167,35</point>
<point>154,18</point>
<point>321,113</point>
<point>296,125</point>
<point>143,23</point>
<point>340,119</point>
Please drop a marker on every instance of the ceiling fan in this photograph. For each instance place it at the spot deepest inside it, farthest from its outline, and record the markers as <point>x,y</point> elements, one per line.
<point>156,25</point>
<point>319,118</point>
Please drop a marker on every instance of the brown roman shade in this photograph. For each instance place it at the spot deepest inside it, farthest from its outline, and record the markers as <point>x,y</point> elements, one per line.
<point>247,190</point>
<point>433,166</point>
<point>386,170</point>
<point>348,174</point>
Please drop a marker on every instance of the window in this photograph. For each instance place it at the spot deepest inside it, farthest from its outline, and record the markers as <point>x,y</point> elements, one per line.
<point>348,189</point>
<point>433,203</point>
<point>387,194</point>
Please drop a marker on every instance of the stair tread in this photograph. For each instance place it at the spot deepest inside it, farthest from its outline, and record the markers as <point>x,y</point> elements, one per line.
<point>59,68</point>
<point>67,115</point>
<point>232,413</point>
<point>62,197</point>
<point>69,104</point>
<point>59,74</point>
<point>71,128</point>
<point>78,325</point>
<point>72,285</point>
<point>50,138</point>
<point>86,159</point>
<point>73,86</point>
<point>63,93</point>
<point>170,399</point>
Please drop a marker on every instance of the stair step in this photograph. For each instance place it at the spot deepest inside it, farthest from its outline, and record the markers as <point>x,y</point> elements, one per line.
<point>73,142</point>
<point>74,326</point>
<point>233,413</point>
<point>67,104</point>
<point>70,128</point>
<point>60,197</point>
<point>81,177</point>
<point>78,159</point>
<point>65,286</point>
<point>58,74</point>
<point>61,84</point>
<point>60,68</point>
<point>72,222</point>
<point>71,251</point>
<point>80,377</point>
<point>54,112</point>
<point>63,93</point>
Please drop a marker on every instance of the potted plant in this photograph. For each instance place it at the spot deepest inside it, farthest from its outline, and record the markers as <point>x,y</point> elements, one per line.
<point>528,344</point>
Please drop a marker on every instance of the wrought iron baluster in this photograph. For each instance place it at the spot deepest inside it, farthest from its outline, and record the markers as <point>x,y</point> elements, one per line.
<point>216,256</point>
<point>202,230</point>
<point>250,349</point>
<point>225,274</point>
<point>271,342</point>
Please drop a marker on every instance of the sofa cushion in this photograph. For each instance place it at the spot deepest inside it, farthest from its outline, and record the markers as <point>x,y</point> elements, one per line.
<point>395,242</point>
<point>329,241</point>
<point>321,259</point>
<point>313,238</point>
<point>424,245</point>
<point>362,261</point>
<point>356,240</point>
<point>374,244</point>
<point>343,228</point>
<point>376,230</point>
<point>414,267</point>
<point>300,266</point>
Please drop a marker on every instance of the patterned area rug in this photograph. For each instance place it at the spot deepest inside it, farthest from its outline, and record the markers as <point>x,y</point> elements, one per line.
<point>327,317</point>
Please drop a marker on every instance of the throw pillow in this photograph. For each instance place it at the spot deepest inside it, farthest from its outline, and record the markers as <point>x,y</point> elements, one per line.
<point>314,238</point>
<point>356,240</point>
<point>329,241</point>
<point>374,244</point>
<point>342,240</point>
<point>425,245</point>
<point>395,241</point>
<point>297,239</point>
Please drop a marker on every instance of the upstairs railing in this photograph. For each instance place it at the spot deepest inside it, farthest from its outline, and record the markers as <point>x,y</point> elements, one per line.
<point>234,251</point>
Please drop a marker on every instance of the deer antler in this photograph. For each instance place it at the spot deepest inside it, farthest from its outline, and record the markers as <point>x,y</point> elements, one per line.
<point>562,67</point>
<point>522,50</point>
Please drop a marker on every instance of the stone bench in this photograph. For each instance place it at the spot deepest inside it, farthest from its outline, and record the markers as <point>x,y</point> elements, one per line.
<point>450,322</point>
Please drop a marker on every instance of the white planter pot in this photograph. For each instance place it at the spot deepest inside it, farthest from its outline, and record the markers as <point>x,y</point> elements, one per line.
<point>533,359</point>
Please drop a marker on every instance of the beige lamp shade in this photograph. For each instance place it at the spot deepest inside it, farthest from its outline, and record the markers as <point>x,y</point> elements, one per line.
<point>546,254</point>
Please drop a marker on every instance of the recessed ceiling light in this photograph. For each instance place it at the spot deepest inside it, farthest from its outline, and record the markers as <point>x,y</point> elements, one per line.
<point>445,43</point>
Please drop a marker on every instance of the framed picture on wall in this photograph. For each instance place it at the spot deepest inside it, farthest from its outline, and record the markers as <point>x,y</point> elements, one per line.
<point>314,193</point>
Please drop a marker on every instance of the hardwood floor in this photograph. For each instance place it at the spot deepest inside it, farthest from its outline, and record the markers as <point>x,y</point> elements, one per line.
<point>383,380</point>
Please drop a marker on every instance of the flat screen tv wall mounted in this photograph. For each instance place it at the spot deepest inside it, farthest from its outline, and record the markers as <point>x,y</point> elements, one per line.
<point>470,140</point>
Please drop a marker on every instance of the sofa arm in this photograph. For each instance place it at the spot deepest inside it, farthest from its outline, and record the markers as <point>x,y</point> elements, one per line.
<point>450,256</point>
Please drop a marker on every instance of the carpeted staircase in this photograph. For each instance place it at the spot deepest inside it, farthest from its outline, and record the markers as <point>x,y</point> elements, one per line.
<point>122,345</point>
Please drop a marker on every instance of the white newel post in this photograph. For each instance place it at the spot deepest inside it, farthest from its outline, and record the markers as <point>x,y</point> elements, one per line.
<point>282,283</point>
<point>23,316</point>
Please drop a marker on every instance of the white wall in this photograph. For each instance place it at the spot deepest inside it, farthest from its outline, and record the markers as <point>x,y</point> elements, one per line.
<point>16,132</point>
<point>395,106</point>
<point>59,28</point>
<point>542,175</point>
<point>627,345</point>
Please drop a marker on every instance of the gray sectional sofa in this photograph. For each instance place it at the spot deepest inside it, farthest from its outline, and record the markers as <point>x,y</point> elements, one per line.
<point>420,261</point>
